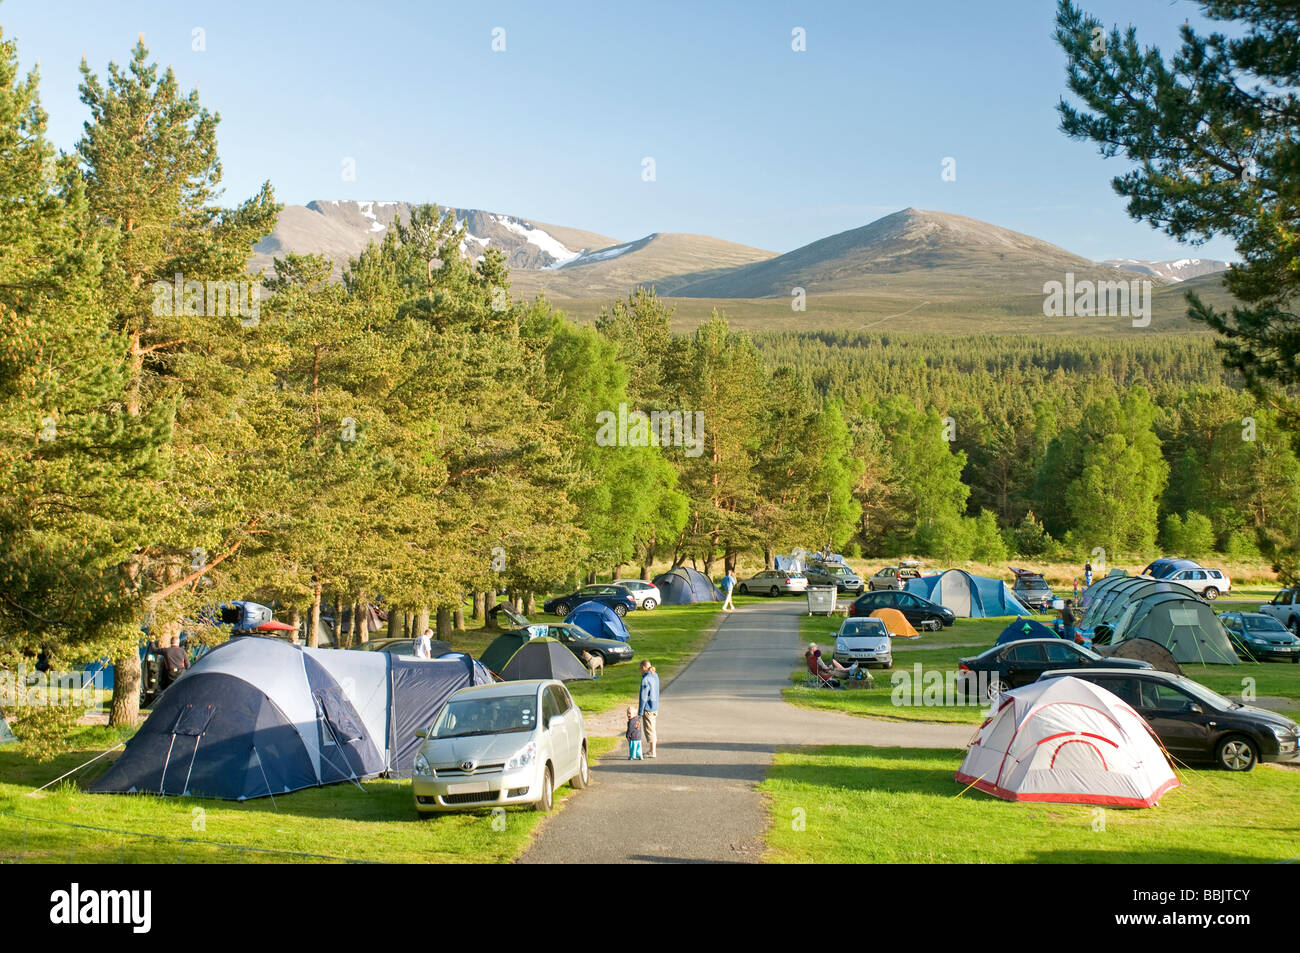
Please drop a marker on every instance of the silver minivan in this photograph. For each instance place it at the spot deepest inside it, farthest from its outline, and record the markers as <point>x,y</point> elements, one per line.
<point>501,744</point>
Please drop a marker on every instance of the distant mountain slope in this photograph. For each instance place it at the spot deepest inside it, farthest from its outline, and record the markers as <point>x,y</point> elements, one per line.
<point>1178,269</point>
<point>666,260</point>
<point>340,229</point>
<point>911,249</point>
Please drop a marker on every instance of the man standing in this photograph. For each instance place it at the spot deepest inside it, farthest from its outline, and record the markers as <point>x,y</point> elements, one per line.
<point>728,585</point>
<point>1087,574</point>
<point>1068,620</point>
<point>172,658</point>
<point>648,707</point>
<point>424,644</point>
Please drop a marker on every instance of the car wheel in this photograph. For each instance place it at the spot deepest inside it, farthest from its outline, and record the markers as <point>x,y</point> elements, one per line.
<point>546,802</point>
<point>774,591</point>
<point>997,685</point>
<point>649,605</point>
<point>580,779</point>
<point>1211,593</point>
<point>1295,627</point>
<point>1236,753</point>
<point>744,589</point>
<point>562,609</point>
<point>620,611</point>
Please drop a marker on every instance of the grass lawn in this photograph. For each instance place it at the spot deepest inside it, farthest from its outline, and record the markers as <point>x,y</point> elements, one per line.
<point>341,822</point>
<point>890,805</point>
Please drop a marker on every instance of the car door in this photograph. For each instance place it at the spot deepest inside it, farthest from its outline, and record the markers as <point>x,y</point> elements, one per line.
<point>1169,712</point>
<point>1063,655</point>
<point>566,756</point>
<point>1023,663</point>
<point>555,740</point>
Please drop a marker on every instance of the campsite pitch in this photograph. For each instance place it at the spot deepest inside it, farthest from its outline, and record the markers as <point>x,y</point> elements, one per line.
<point>858,805</point>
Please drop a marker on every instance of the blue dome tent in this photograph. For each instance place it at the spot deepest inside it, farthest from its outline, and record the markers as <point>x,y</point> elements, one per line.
<point>599,620</point>
<point>1025,629</point>
<point>970,597</point>
<point>260,716</point>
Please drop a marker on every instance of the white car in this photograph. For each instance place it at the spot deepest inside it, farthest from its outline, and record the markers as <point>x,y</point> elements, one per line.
<point>865,641</point>
<point>1207,583</point>
<point>774,582</point>
<point>507,743</point>
<point>646,594</point>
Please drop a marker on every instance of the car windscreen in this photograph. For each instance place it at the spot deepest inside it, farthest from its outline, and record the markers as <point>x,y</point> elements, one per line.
<point>1262,623</point>
<point>1206,695</point>
<point>860,628</point>
<point>486,716</point>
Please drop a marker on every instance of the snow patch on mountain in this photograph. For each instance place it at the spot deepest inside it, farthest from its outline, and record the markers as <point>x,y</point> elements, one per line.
<point>536,236</point>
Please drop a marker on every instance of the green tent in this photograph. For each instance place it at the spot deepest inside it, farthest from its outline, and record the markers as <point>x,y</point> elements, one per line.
<point>544,657</point>
<point>503,647</point>
<point>1186,627</point>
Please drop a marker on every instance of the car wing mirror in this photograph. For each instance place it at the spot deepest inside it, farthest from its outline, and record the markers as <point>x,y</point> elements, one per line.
<point>422,732</point>
<point>555,722</point>
<point>1195,709</point>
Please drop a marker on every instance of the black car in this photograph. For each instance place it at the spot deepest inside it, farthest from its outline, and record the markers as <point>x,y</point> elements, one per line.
<point>1257,637</point>
<point>838,575</point>
<point>922,613</point>
<point>580,640</point>
<point>1013,664</point>
<point>1195,723</point>
<point>618,598</point>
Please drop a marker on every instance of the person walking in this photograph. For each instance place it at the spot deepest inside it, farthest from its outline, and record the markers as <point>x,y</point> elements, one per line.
<point>1087,574</point>
<point>633,736</point>
<point>648,707</point>
<point>728,586</point>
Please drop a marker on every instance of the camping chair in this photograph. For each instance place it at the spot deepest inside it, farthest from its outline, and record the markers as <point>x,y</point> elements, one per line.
<point>816,679</point>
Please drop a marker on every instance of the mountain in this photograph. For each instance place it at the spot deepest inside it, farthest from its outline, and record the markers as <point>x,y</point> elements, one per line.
<point>1179,269</point>
<point>912,250</point>
<point>667,260</point>
<point>340,229</point>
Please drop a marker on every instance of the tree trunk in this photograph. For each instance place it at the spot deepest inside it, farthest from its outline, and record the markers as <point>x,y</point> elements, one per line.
<point>422,622</point>
<point>769,557</point>
<point>649,558</point>
<point>363,618</point>
<point>458,619</point>
<point>444,623</point>
<point>125,709</point>
<point>295,620</point>
<point>530,603</point>
<point>340,639</point>
<point>708,564</point>
<point>397,623</point>
<point>490,618</point>
<point>480,606</point>
<point>313,627</point>
<point>616,573</point>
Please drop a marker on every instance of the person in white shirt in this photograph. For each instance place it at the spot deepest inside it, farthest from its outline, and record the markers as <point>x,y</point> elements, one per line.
<point>424,644</point>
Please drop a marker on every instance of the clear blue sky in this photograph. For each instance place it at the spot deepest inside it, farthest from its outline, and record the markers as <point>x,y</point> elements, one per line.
<point>752,141</point>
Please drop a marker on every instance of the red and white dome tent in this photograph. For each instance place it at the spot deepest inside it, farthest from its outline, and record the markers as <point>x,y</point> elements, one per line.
<point>1067,740</point>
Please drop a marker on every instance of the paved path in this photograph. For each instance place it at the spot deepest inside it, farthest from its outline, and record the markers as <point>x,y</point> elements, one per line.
<point>722,720</point>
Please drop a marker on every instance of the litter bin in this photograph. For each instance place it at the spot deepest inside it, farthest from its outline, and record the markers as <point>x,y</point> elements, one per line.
<point>821,600</point>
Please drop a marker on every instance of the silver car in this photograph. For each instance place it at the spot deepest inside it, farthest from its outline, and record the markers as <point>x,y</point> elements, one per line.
<point>865,641</point>
<point>508,743</point>
<point>773,582</point>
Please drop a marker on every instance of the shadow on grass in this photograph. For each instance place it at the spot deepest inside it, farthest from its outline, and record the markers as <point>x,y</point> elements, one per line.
<point>909,770</point>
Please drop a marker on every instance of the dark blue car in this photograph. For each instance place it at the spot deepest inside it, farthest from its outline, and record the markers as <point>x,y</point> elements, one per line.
<point>617,597</point>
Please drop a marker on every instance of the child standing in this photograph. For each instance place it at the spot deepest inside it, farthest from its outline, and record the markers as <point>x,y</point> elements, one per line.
<point>633,735</point>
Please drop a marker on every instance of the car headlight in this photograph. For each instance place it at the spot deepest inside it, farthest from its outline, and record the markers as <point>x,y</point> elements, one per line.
<point>422,766</point>
<point>839,646</point>
<point>524,757</point>
<point>1283,733</point>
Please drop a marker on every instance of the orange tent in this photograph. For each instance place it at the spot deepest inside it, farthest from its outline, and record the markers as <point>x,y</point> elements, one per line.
<point>896,623</point>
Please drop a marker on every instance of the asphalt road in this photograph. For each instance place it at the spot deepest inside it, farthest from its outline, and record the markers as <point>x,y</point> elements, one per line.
<point>721,721</point>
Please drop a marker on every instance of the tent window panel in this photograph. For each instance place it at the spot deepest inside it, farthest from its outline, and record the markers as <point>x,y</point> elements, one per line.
<point>193,721</point>
<point>337,713</point>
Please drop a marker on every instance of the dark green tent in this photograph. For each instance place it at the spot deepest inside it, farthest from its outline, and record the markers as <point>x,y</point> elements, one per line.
<point>496,655</point>
<point>544,657</point>
<point>1186,627</point>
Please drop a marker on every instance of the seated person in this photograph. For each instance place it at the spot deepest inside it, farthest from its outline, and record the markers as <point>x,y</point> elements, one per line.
<point>818,666</point>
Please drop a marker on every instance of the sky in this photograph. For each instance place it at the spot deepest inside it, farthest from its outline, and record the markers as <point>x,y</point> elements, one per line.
<point>751,140</point>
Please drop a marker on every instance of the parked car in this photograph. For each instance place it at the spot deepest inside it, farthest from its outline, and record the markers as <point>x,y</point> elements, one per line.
<point>865,641</point>
<point>1255,635</point>
<point>1019,663</point>
<point>922,613</point>
<point>893,577</point>
<point>1207,583</point>
<point>646,594</point>
<point>838,575</point>
<point>1165,567</point>
<point>1032,589</point>
<point>774,582</point>
<point>617,597</point>
<point>404,647</point>
<point>1195,723</point>
<point>1285,607</point>
<point>507,743</point>
<point>580,640</point>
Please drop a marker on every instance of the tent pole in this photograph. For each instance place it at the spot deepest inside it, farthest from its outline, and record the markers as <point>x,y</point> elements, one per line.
<point>166,761</point>
<point>264,779</point>
<point>186,790</point>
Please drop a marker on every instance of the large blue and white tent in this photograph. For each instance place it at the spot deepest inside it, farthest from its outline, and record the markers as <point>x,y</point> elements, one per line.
<point>260,716</point>
<point>970,597</point>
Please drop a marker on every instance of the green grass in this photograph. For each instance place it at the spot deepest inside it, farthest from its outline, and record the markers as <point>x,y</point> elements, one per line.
<point>374,823</point>
<point>891,805</point>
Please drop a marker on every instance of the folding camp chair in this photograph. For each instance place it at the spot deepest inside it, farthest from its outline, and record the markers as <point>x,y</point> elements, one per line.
<point>814,678</point>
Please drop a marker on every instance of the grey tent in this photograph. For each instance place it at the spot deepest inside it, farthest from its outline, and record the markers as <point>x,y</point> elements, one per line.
<point>1186,627</point>
<point>684,585</point>
<point>1108,609</point>
<point>1145,650</point>
<point>544,657</point>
